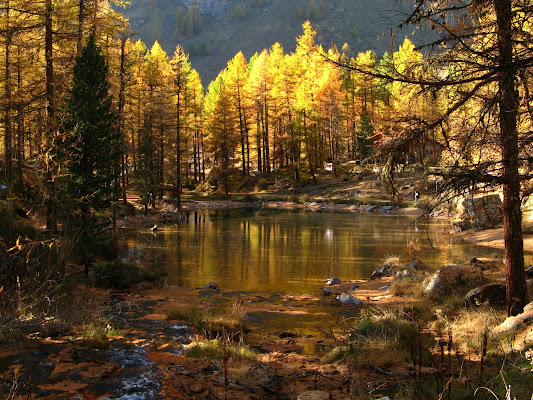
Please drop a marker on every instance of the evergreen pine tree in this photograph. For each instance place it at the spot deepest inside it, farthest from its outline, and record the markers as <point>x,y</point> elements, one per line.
<point>90,124</point>
<point>363,139</point>
<point>94,149</point>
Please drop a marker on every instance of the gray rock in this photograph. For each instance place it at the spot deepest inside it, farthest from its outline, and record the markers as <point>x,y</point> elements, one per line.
<point>434,287</point>
<point>446,279</point>
<point>386,287</point>
<point>387,208</point>
<point>417,265</point>
<point>326,291</point>
<point>485,212</point>
<point>333,281</point>
<point>370,208</point>
<point>383,270</point>
<point>345,298</point>
<point>481,264</point>
<point>404,274</point>
<point>213,285</point>
<point>492,294</point>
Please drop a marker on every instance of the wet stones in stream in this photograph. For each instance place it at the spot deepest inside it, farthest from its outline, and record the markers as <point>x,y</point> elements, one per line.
<point>54,371</point>
<point>63,368</point>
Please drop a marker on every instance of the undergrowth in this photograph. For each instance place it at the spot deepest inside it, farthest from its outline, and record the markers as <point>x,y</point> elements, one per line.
<point>212,324</point>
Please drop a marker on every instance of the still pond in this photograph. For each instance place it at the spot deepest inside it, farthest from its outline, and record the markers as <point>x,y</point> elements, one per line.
<point>292,251</point>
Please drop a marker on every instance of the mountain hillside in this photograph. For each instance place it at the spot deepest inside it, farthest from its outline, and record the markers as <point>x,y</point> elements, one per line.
<point>213,31</point>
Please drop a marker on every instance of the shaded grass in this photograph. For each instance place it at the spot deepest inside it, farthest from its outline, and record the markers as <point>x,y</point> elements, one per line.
<point>97,334</point>
<point>379,338</point>
<point>214,350</point>
<point>212,324</point>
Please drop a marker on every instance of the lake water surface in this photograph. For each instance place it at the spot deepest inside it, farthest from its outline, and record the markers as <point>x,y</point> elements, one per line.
<point>292,251</point>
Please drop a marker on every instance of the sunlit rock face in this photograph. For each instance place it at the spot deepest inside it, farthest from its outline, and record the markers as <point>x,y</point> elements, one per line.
<point>210,7</point>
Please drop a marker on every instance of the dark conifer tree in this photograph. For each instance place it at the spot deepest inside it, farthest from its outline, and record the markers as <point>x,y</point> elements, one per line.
<point>93,148</point>
<point>364,133</point>
<point>90,123</point>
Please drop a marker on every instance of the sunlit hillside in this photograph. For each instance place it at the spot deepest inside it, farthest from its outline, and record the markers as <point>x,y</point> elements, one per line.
<point>228,26</point>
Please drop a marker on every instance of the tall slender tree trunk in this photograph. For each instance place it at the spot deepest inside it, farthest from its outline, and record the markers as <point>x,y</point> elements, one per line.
<point>8,134</point>
<point>20,115</point>
<point>508,113</point>
<point>258,138</point>
<point>242,129</point>
<point>178,146</point>
<point>120,124</point>
<point>95,17</point>
<point>51,220</point>
<point>81,20</point>
<point>161,177</point>
<point>266,144</point>
<point>195,158</point>
<point>151,164</point>
<point>203,156</point>
<point>310,149</point>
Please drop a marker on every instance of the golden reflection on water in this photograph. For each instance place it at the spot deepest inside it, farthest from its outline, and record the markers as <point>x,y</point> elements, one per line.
<point>270,250</point>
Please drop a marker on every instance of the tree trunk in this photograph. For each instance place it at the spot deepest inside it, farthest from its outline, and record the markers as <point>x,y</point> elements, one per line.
<point>8,134</point>
<point>81,19</point>
<point>121,104</point>
<point>508,112</point>
<point>178,147</point>
<point>258,138</point>
<point>20,116</point>
<point>241,128</point>
<point>266,145</point>
<point>51,218</point>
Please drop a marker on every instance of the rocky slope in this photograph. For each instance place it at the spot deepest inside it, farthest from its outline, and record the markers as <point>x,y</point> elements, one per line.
<point>363,24</point>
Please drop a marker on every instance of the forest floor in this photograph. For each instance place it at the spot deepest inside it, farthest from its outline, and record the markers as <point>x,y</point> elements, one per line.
<point>178,343</point>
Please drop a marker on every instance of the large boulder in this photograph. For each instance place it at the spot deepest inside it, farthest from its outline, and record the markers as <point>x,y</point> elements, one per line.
<point>483,212</point>
<point>492,294</point>
<point>448,279</point>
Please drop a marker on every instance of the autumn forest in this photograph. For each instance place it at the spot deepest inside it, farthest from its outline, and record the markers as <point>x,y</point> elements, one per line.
<point>89,113</point>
